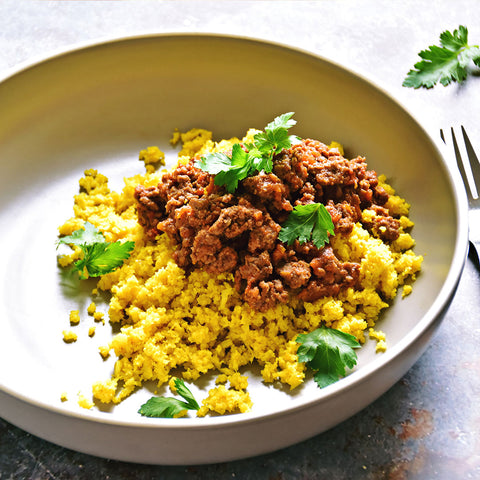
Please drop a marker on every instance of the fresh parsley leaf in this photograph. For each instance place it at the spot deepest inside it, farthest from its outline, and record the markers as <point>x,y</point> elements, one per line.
<point>238,169</point>
<point>186,394</point>
<point>445,63</point>
<point>86,236</point>
<point>214,163</point>
<point>282,122</point>
<point>276,137</point>
<point>307,222</point>
<point>162,407</point>
<point>228,171</point>
<point>328,352</point>
<point>99,256</point>
<point>258,156</point>
<point>169,407</point>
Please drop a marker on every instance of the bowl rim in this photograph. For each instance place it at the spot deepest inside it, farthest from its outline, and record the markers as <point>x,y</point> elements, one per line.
<point>350,381</point>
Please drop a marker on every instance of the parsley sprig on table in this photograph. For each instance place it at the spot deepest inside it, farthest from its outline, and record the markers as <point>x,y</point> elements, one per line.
<point>252,158</point>
<point>307,222</point>
<point>169,407</point>
<point>328,352</point>
<point>99,257</point>
<point>445,63</point>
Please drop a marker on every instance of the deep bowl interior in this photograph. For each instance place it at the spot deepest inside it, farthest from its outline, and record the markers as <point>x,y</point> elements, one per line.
<point>96,107</point>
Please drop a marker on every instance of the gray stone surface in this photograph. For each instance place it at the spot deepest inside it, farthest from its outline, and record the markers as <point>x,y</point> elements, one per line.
<point>428,425</point>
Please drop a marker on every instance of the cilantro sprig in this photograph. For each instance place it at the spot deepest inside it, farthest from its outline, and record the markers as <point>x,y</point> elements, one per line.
<point>99,257</point>
<point>169,407</point>
<point>328,352</point>
<point>307,222</point>
<point>445,63</point>
<point>253,157</point>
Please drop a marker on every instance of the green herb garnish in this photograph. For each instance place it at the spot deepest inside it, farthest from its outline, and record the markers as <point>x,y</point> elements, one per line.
<point>99,257</point>
<point>307,222</point>
<point>169,407</point>
<point>328,352</point>
<point>252,158</point>
<point>445,63</point>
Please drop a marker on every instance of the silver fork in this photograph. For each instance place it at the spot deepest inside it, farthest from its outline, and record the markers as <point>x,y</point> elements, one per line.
<point>469,167</point>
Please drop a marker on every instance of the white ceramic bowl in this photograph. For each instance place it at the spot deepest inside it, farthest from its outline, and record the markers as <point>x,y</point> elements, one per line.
<point>95,107</point>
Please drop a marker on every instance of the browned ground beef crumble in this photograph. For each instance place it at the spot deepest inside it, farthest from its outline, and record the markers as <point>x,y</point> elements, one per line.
<point>224,232</point>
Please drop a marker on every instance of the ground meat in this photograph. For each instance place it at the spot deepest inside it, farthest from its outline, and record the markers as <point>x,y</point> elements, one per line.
<point>150,206</point>
<point>330,275</point>
<point>270,189</point>
<point>234,221</point>
<point>265,295</point>
<point>238,233</point>
<point>383,224</point>
<point>209,253</point>
<point>254,269</point>
<point>295,274</point>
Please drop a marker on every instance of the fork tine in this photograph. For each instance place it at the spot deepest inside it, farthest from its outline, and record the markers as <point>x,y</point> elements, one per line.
<point>464,161</point>
<point>472,155</point>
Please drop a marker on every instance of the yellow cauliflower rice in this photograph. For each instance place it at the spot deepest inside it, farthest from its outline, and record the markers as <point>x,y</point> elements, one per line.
<point>173,323</point>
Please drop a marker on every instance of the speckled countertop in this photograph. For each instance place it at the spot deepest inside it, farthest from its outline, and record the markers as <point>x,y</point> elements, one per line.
<point>428,425</point>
